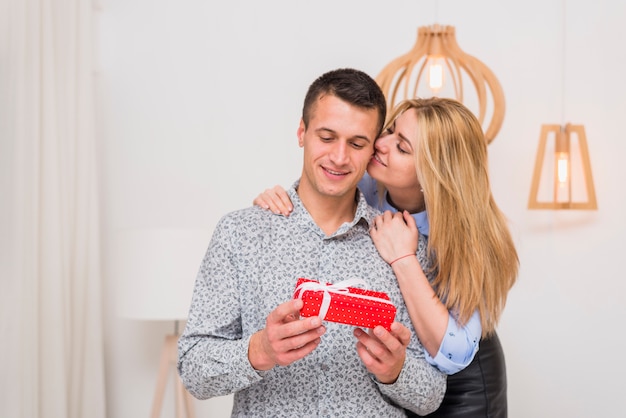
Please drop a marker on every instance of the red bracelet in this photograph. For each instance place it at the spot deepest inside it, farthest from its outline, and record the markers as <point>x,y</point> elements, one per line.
<point>400,258</point>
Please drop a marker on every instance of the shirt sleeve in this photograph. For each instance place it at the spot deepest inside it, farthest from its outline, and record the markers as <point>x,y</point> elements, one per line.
<point>459,345</point>
<point>213,351</point>
<point>420,387</point>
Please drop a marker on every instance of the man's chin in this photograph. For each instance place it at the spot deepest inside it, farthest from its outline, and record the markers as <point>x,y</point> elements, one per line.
<point>339,192</point>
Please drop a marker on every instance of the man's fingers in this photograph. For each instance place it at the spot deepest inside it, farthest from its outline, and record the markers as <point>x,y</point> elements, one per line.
<point>382,352</point>
<point>282,312</point>
<point>287,339</point>
<point>285,358</point>
<point>282,324</point>
<point>402,333</point>
<point>310,326</point>
<point>294,340</point>
<point>381,342</point>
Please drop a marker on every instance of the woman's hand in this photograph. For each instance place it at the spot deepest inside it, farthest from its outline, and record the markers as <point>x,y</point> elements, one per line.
<point>394,235</point>
<point>275,199</point>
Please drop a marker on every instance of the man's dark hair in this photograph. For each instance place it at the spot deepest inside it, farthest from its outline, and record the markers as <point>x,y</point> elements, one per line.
<point>350,85</point>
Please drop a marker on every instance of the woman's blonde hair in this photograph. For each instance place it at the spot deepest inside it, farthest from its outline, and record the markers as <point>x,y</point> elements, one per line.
<point>473,255</point>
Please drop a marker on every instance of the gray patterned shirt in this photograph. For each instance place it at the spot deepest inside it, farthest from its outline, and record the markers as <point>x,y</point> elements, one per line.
<point>251,266</point>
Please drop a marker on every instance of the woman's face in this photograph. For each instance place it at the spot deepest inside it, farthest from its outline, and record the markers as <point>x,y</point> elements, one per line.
<point>393,163</point>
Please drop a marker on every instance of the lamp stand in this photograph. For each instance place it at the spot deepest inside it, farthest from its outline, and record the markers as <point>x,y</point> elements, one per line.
<point>184,400</point>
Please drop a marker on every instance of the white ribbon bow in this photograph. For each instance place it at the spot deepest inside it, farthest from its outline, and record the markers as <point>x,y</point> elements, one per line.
<point>339,287</point>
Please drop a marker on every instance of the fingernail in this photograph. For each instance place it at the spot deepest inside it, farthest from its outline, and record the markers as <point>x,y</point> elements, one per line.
<point>378,331</point>
<point>316,321</point>
<point>358,332</point>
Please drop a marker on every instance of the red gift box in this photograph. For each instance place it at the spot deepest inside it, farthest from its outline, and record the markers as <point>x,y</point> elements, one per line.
<point>342,303</point>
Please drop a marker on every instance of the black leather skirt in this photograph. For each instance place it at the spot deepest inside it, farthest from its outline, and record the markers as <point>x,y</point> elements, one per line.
<point>479,390</point>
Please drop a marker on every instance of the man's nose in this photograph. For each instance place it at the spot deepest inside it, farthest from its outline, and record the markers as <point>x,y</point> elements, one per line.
<point>340,153</point>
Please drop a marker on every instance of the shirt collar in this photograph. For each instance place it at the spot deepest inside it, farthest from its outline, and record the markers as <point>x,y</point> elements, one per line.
<point>364,213</point>
<point>421,218</point>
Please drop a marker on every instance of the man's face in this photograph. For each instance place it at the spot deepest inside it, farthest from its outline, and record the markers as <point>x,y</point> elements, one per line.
<point>338,144</point>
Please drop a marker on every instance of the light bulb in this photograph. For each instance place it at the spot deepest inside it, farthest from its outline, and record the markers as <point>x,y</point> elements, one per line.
<point>435,73</point>
<point>562,168</point>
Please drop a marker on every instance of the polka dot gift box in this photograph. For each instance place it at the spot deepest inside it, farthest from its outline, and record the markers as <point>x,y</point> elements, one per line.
<point>343,303</point>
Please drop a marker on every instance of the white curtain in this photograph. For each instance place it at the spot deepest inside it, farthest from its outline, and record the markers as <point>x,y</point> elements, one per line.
<point>50,295</point>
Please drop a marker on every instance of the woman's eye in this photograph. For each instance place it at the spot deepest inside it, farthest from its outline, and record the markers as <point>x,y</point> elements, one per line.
<point>402,151</point>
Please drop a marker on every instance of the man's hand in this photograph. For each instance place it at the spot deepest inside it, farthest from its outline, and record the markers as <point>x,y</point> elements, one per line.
<point>284,339</point>
<point>383,352</point>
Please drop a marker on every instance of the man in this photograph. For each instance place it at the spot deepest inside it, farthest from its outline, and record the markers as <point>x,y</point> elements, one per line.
<point>244,334</point>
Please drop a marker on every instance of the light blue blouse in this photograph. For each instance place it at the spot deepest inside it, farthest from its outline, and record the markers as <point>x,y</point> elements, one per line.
<point>460,343</point>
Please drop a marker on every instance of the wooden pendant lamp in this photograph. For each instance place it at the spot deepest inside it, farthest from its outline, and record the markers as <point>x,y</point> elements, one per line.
<point>437,54</point>
<point>554,166</point>
<point>562,176</point>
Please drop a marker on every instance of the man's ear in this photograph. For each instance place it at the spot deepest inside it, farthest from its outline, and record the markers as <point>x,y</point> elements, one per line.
<point>301,130</point>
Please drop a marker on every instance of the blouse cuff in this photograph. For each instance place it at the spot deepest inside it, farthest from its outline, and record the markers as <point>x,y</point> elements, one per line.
<point>459,346</point>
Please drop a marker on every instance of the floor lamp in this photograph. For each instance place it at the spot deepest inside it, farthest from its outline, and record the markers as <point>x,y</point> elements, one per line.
<point>167,365</point>
<point>156,269</point>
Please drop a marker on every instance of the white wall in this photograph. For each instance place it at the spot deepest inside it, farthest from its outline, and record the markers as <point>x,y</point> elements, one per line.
<point>199,102</point>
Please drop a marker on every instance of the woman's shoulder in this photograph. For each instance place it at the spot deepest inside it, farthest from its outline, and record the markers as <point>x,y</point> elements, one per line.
<point>367,182</point>
<point>368,187</point>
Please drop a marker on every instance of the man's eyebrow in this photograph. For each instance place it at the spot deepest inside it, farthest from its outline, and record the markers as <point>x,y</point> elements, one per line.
<point>363,137</point>
<point>325,130</point>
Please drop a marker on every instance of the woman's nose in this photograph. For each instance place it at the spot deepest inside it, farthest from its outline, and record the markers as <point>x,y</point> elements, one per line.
<point>382,144</point>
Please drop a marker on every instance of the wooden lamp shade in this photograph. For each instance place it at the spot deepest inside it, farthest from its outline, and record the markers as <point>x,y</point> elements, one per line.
<point>561,177</point>
<point>402,77</point>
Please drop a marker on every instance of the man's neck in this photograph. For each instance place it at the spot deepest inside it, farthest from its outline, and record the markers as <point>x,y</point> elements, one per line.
<point>329,212</point>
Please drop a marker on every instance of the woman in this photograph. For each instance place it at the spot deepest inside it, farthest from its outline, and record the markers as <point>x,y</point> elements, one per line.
<point>429,171</point>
